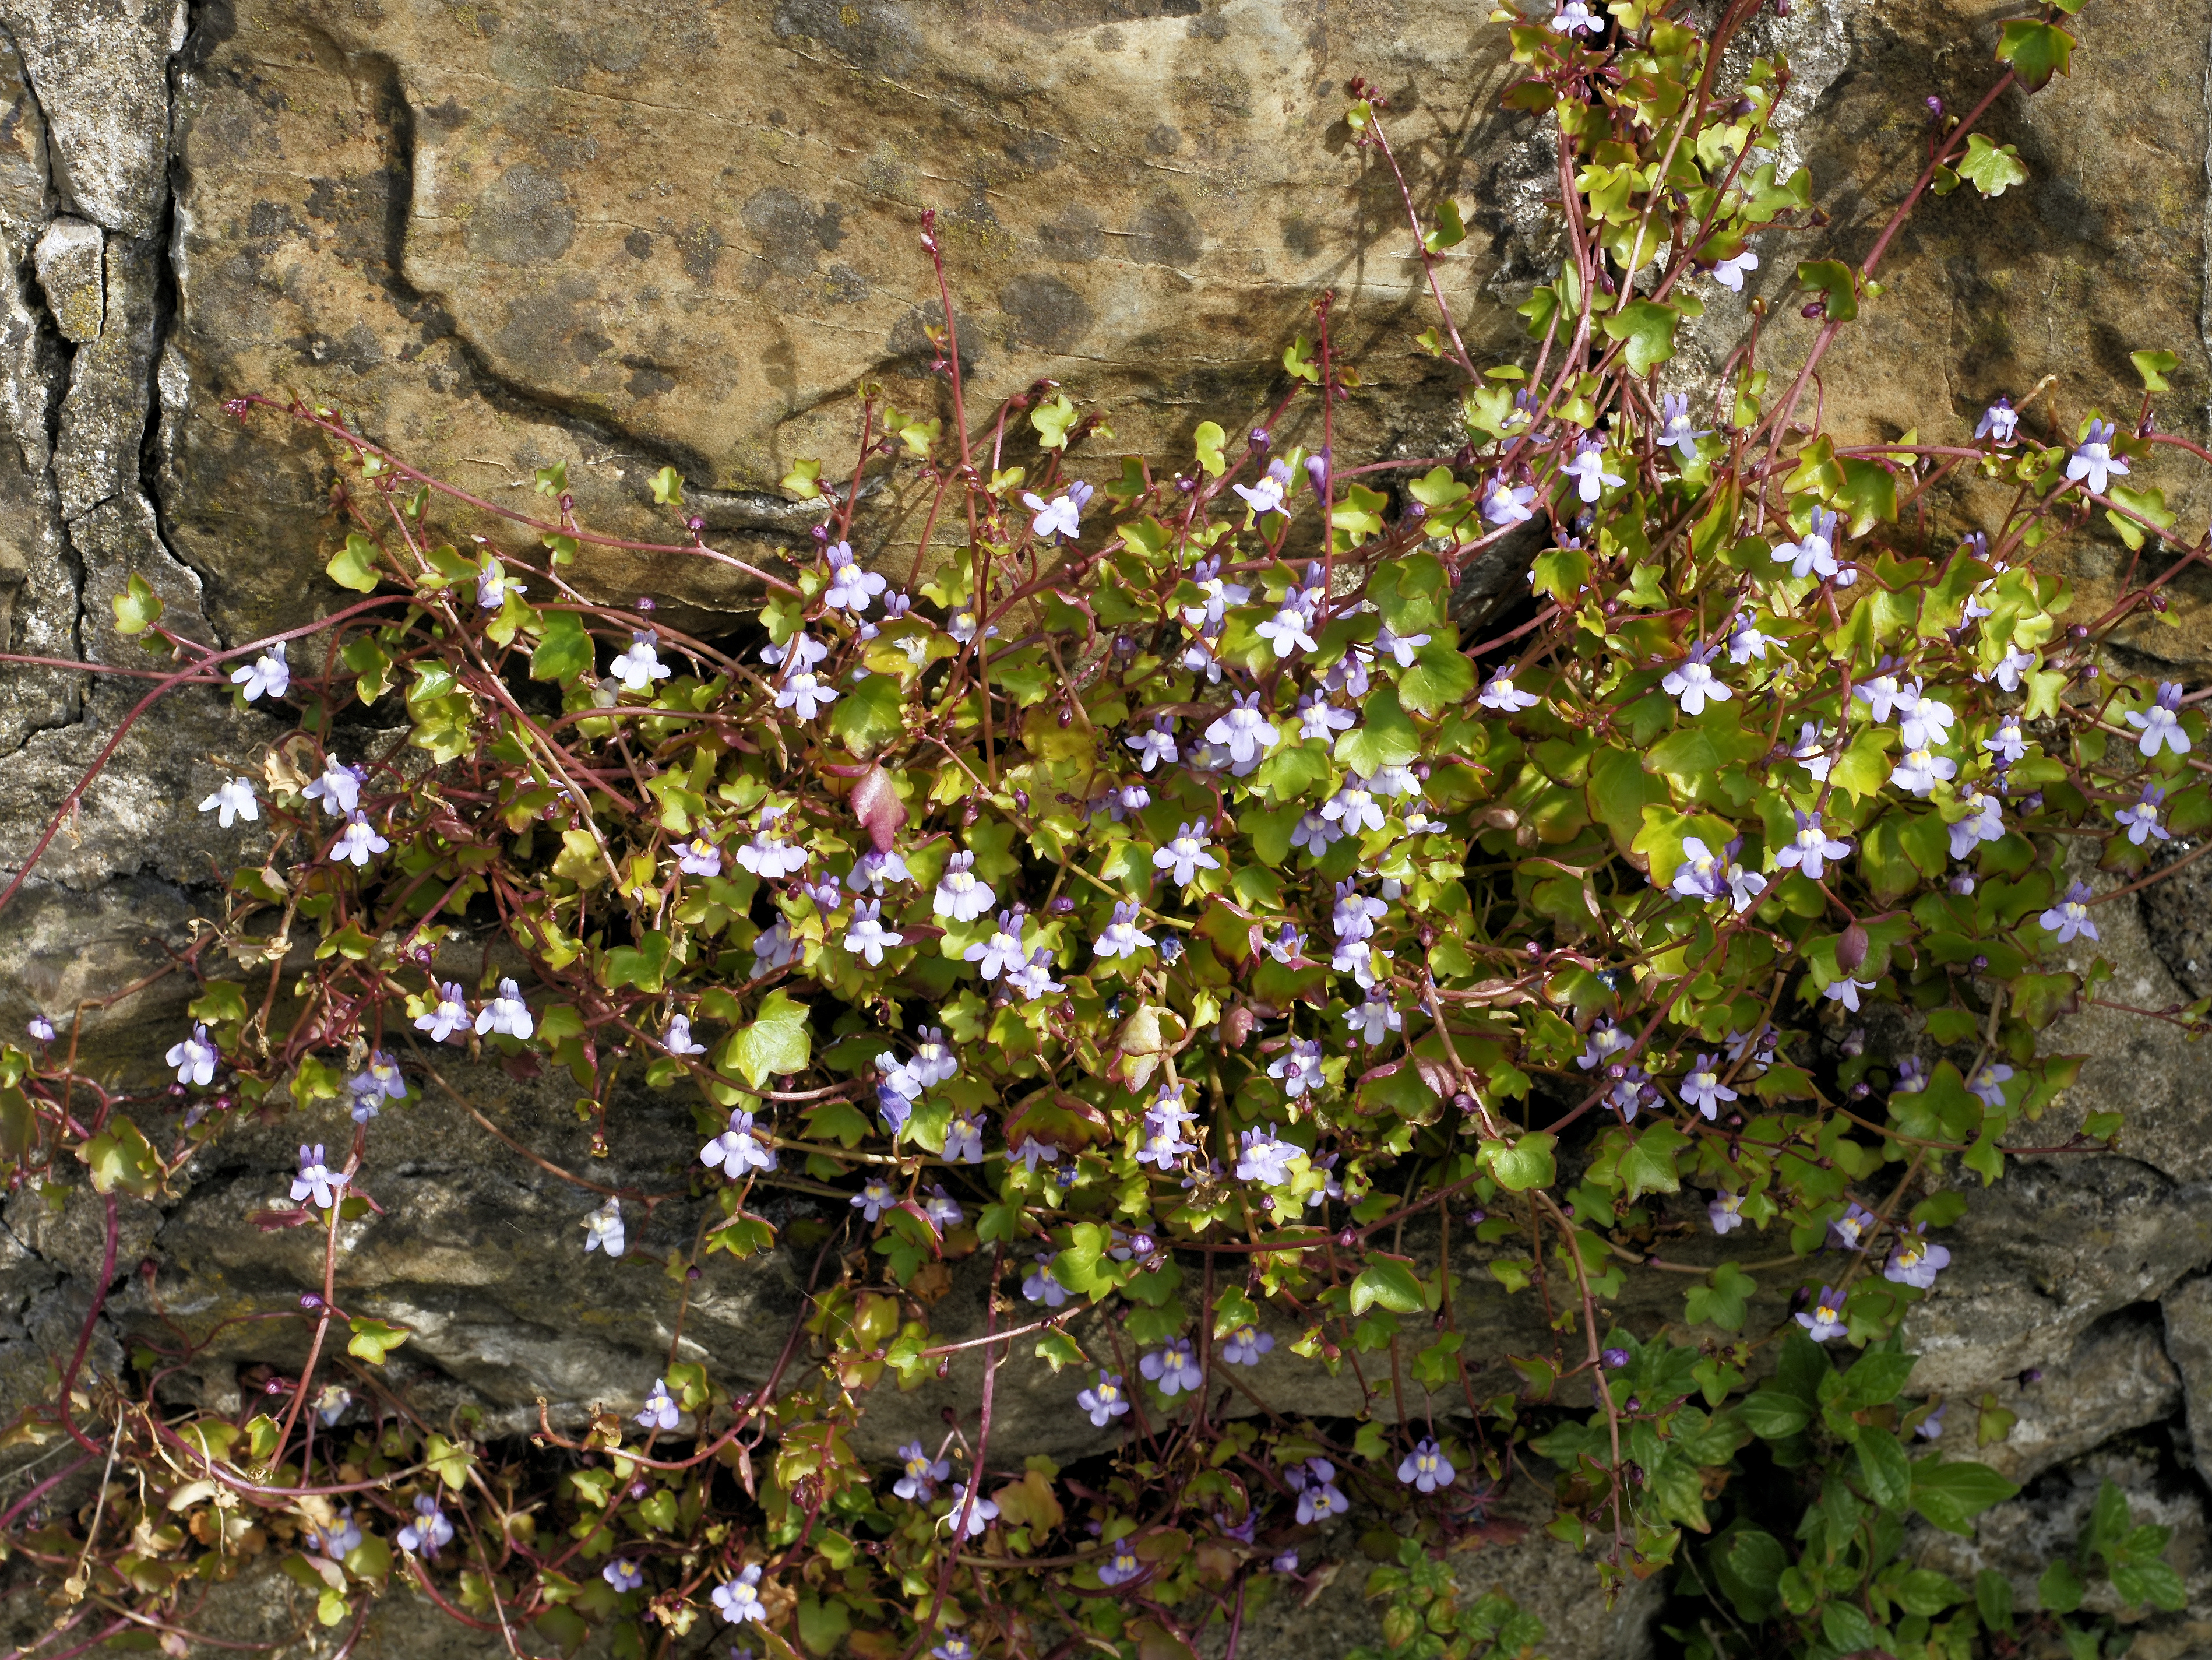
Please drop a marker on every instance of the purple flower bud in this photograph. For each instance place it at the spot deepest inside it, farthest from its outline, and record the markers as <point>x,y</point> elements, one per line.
<point>645,602</point>
<point>1615,1359</point>
<point>309,1300</point>
<point>1260,440</point>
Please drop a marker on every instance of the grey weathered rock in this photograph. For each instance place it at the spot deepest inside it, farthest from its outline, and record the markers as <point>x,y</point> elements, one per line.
<point>74,275</point>
<point>2188,1311</point>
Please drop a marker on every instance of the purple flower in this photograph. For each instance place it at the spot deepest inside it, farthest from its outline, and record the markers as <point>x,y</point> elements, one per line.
<point>677,1040</point>
<point>1507,504</point>
<point>1319,1497</point>
<point>1353,809</point>
<point>603,1230</point>
<point>1920,768</point>
<point>1846,991</point>
<point>357,843</point>
<point>1003,950</point>
<point>1985,822</point>
<point>506,1015</point>
<point>1824,1319</point>
<point>315,1178</point>
<point>980,1513</point>
<point>1426,1468</point>
<point>1745,641</point>
<point>1287,1561</point>
<point>1911,1076</point>
<point>1062,515</point>
<point>2141,820</point>
<point>1810,847</point>
<point>1173,1368</point>
<point>698,857</point>
<point>41,1029</point>
<point>1615,1359</point>
<point>1606,1040</point>
<point>1120,1566</point>
<point>770,856</point>
<point>268,673</point>
<point>1186,855</point>
<point>920,1474</point>
<point>954,1647</point>
<point>1244,1346</point>
<point>962,895</point>
<point>1122,936</point>
<point>494,585</point>
<point>1848,1231</point>
<point>339,787</point>
<point>942,1209</point>
<point>850,587</point>
<point>2160,724</point>
<point>1931,1427</point>
<point>1730,273</point>
<point>1244,730</point>
<point>638,664</point>
<point>1286,631</point>
<point>963,1141</point>
<point>338,1542</point>
<point>1988,1082</point>
<point>804,695</point>
<point>1266,495</point>
<point>874,873</point>
<point>1678,432</point>
<point>194,1059</point>
<point>874,1198</point>
<point>1587,468</point>
<point>738,1149</point>
<point>1914,1262</point>
<point>1399,648</point>
<point>739,1599</point>
<point>1815,553</point>
<point>1105,1400</point>
<point>1042,1286</point>
<point>232,800</point>
<point>2069,917</point>
<point>1155,746</point>
<point>1703,1088</point>
<point>1725,1213</point>
<point>2093,458</point>
<point>1999,421</point>
<point>1265,1159</point>
<point>448,1015</point>
<point>428,1531</point>
<point>1374,1020</point>
<point>867,937</point>
<point>1298,1068</point>
<point>622,1576</point>
<point>660,1412</point>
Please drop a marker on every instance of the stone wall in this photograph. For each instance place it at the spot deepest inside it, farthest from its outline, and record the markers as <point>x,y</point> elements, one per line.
<point>624,236</point>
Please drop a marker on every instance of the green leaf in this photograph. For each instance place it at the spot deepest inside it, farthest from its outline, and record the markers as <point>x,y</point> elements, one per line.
<point>1832,279</point>
<point>1647,1164</point>
<point>353,565</point>
<point>823,1625</point>
<point>869,716</point>
<point>121,1157</point>
<point>1721,1299</point>
<point>1052,422</point>
<point>2060,1589</point>
<point>1562,573</point>
<point>137,608</point>
<point>1450,230</point>
<point>1772,1415</point>
<point>372,1339</point>
<point>2037,51</point>
<point>1525,1164</point>
<point>1647,326</point>
<point>776,1042</point>
<point>1392,1284</point>
<point>1869,495</point>
<point>2154,367</point>
<point>450,1459</point>
<point>1884,1470</point>
<point>1207,442</point>
<point>1384,738</point>
<point>565,650</point>
<point>1951,1495</point>
<point>1441,679</point>
<point>668,483</point>
<point>1992,171</point>
<point>1848,1630</point>
<point>1748,1563</point>
<point>1875,1380</point>
<point>1993,1599</point>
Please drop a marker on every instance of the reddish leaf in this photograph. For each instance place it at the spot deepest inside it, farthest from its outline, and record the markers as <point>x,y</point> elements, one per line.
<point>875,803</point>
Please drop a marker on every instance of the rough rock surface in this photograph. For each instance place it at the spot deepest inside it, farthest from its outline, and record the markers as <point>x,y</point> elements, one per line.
<point>623,236</point>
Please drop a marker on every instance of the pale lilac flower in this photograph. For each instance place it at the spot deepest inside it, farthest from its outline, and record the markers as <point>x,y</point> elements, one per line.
<point>1062,515</point>
<point>1319,718</point>
<point>1815,553</point>
<point>942,1209</point>
<point>1988,1081</point>
<point>1931,1427</point>
<point>1122,936</point>
<point>2141,820</point>
<point>1032,1153</point>
<point>739,1599</point>
<point>1003,950</point>
<point>1730,273</point>
<point>1692,683</point>
<point>1507,504</point>
<point>769,856</point>
<point>507,1013</point>
<point>1105,1400</point>
<point>1678,431</point>
<point>774,948</point>
<point>337,1542</point>
<point>661,1412</point>
<point>979,1511</point>
<point>41,1029</point>
<point>1919,769</point>
<point>874,1198</point>
<point>603,1230</point>
<point>1575,17</point>
<point>1848,1231</point>
<point>919,1474</point>
<point>963,1140</point>
<point>1033,979</point>
<point>449,1014</point>
<point>1985,822</point>
<point>377,1080</point>
<point>1155,746</point>
<point>1298,1066</point>
<point>1286,631</point>
<point>960,894</point>
<point>1355,914</point>
<point>338,789</point>
<point>1499,693</point>
<point>1264,1160</point>
<point>1808,850</point>
<point>1040,1287</point>
<point>1606,1039</point>
<point>1999,421</point>
<point>1426,1468</point>
<point>1315,833</point>
<point>1353,808</point>
<point>1745,641</point>
<point>232,800</point>
<point>1286,1561</point>
<point>803,693</point>
<point>1725,1212</point>
<point>638,664</point>
<point>1825,1318</point>
<point>1121,1565</point>
<point>1926,723</point>
<point>699,857</point>
<point>1399,648</point>
<point>2093,460</point>
<point>1811,750</point>
<point>954,1647</point>
<point>622,1576</point>
<point>1174,1368</point>
<point>1319,1497</point>
<point>2160,724</point>
<point>1186,855</point>
<point>866,936</point>
<point>1393,780</point>
<point>677,1040</point>
<point>1244,730</point>
<point>851,588</point>
<point>357,843</point>
<point>2069,917</point>
<point>1244,1346</point>
<point>1349,674</point>
<point>2006,742</point>
<point>1914,1262</point>
<point>1703,1088</point>
<point>2014,663</point>
<point>1911,1076</point>
<point>317,1178</point>
<point>1266,495</point>
<point>1587,468</point>
<point>800,652</point>
<point>268,673</point>
<point>429,1532</point>
<point>739,1148</point>
<point>1374,1020</point>
<point>1846,991</point>
<point>330,1404</point>
<point>1630,1091</point>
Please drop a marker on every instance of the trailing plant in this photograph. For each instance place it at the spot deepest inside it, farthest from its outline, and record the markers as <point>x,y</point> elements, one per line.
<point>1156,891</point>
